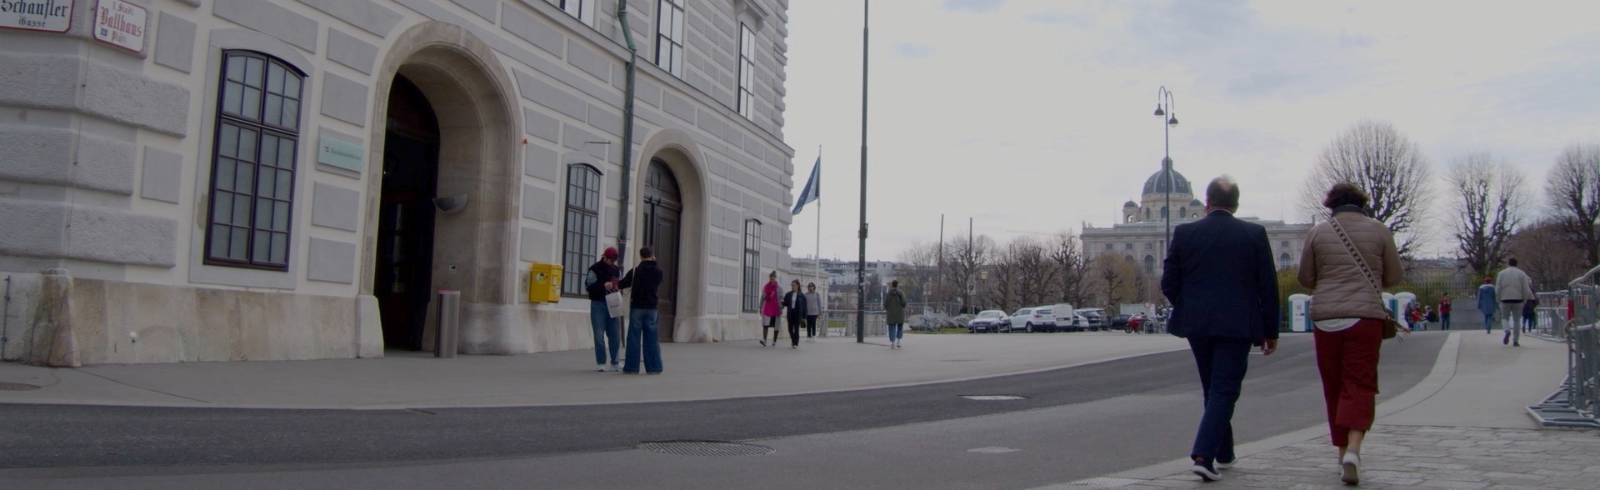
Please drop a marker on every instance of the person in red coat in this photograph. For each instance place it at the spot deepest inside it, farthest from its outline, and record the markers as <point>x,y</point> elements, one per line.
<point>770,309</point>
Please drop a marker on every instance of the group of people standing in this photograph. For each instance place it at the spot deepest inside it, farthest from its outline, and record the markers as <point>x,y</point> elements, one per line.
<point>644,332</point>
<point>1221,280</point>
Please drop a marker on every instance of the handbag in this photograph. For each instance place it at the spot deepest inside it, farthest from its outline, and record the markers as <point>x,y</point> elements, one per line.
<point>615,305</point>
<point>1390,326</point>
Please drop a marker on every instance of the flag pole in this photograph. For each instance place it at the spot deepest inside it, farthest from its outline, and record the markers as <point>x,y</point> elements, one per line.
<point>816,254</point>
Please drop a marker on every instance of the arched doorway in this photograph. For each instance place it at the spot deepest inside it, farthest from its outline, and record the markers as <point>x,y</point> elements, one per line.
<point>475,183</point>
<point>663,232</point>
<point>410,177</point>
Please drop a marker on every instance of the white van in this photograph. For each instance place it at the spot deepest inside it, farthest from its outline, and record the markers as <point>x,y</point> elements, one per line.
<point>1065,319</point>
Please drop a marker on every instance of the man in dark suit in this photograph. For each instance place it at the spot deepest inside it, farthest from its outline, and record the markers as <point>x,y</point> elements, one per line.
<point>1223,286</point>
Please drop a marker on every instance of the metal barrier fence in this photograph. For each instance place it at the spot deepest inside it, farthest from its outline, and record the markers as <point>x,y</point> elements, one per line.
<point>843,324</point>
<point>1583,345</point>
<point>1550,317</point>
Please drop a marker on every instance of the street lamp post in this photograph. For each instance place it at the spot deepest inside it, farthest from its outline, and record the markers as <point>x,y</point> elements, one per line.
<point>1167,110</point>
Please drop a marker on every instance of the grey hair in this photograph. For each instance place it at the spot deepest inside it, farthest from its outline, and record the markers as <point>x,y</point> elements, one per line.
<point>1223,193</point>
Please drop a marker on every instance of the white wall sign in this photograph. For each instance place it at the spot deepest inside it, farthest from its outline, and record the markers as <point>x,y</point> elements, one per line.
<point>36,15</point>
<point>120,24</point>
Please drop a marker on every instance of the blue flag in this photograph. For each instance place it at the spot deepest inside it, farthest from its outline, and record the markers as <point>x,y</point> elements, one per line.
<point>813,190</point>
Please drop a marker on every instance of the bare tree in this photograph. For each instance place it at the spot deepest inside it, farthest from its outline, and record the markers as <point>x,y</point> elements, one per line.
<point>1004,287</point>
<point>1489,197</point>
<point>1114,277</point>
<point>965,262</point>
<point>1066,252</point>
<point>1376,157</point>
<point>917,277</point>
<point>1574,193</point>
<point>1542,250</point>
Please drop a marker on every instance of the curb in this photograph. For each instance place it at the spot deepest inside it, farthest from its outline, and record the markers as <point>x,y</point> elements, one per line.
<point>1444,369</point>
<point>406,406</point>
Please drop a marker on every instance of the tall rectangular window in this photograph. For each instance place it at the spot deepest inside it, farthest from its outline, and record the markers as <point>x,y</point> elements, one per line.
<point>582,9</point>
<point>752,266</point>
<point>253,162</point>
<point>669,36</point>
<point>747,71</point>
<point>581,240</point>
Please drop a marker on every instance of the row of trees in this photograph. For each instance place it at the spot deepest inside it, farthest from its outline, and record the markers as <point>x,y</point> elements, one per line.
<point>980,273</point>
<point>1492,215</point>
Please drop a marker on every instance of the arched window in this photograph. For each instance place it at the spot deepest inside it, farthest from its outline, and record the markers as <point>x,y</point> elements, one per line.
<point>752,266</point>
<point>581,239</point>
<point>1183,213</point>
<point>1164,211</point>
<point>253,162</point>
<point>1284,261</point>
<point>1149,265</point>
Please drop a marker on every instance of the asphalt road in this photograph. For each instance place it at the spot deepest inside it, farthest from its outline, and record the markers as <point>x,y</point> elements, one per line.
<point>1074,423</point>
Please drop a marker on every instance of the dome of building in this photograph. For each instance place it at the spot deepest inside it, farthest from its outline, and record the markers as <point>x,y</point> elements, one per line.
<point>1157,184</point>
<point>1196,204</point>
<point>1130,204</point>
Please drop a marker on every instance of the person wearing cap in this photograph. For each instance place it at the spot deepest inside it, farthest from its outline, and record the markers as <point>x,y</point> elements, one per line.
<point>600,281</point>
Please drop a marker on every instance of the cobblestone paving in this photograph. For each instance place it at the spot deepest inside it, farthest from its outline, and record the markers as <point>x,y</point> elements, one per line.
<point>1414,457</point>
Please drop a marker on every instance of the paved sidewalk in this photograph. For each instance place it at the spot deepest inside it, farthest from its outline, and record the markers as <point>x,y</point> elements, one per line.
<point>693,372</point>
<point>1464,427</point>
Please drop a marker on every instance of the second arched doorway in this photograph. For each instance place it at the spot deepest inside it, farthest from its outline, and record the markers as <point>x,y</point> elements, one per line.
<point>663,234</point>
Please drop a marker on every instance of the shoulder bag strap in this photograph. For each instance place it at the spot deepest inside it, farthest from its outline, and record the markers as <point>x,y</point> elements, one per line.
<point>1355,253</point>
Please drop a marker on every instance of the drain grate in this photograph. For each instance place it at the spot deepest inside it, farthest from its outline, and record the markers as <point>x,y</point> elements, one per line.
<point>17,387</point>
<point>994,398</point>
<point>705,448</point>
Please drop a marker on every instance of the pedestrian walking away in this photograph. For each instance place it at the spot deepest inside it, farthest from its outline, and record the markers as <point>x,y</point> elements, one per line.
<point>1513,287</point>
<point>794,303</point>
<point>771,308</point>
<point>1346,262</point>
<point>1488,304</point>
<point>1222,283</point>
<point>1530,314</point>
<point>894,313</point>
<point>813,310</point>
<point>643,332</point>
<point>600,281</point>
<point>1444,312</point>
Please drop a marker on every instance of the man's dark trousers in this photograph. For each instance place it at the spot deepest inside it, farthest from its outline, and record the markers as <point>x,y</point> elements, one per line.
<point>1222,363</point>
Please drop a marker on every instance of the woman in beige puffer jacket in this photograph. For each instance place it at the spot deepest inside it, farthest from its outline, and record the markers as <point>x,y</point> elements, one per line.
<point>1348,315</point>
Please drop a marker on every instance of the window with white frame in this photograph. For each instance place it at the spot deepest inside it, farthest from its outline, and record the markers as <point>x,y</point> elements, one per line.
<point>669,36</point>
<point>253,162</point>
<point>747,71</point>
<point>581,239</point>
<point>752,266</point>
<point>582,9</point>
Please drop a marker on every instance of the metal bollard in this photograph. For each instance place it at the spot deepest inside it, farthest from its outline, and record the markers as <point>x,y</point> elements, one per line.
<point>448,335</point>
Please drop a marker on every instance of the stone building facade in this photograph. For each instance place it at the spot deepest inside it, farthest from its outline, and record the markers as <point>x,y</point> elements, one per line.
<point>1141,235</point>
<point>282,179</point>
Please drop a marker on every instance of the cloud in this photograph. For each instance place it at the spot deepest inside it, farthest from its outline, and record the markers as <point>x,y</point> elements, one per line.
<point>1056,17</point>
<point>974,6</point>
<point>913,50</point>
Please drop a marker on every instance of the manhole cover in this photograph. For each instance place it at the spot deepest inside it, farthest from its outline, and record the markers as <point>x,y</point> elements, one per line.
<point>17,387</point>
<point>994,398</point>
<point>705,448</point>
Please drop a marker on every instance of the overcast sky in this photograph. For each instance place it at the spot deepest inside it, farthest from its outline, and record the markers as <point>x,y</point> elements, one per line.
<point>1034,116</point>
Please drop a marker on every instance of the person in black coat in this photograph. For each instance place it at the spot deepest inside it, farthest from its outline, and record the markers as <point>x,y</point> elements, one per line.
<point>1223,286</point>
<point>598,282</point>
<point>643,331</point>
<point>795,303</point>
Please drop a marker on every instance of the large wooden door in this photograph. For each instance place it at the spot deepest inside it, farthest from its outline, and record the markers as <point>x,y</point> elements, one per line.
<point>663,218</point>
<point>404,285</point>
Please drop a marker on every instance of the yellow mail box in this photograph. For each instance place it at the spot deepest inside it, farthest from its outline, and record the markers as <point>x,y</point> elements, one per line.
<point>544,283</point>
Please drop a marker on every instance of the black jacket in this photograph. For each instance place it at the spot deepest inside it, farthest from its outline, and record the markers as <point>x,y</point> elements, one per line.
<point>1221,280</point>
<point>796,303</point>
<point>645,279</point>
<point>595,281</point>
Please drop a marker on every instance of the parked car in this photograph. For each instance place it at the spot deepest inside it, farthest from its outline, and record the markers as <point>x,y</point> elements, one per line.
<point>1064,319</point>
<point>1032,320</point>
<point>1120,321</point>
<point>986,321</point>
<point>1093,318</point>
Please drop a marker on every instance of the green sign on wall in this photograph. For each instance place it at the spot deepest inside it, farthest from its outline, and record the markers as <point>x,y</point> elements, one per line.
<point>341,153</point>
